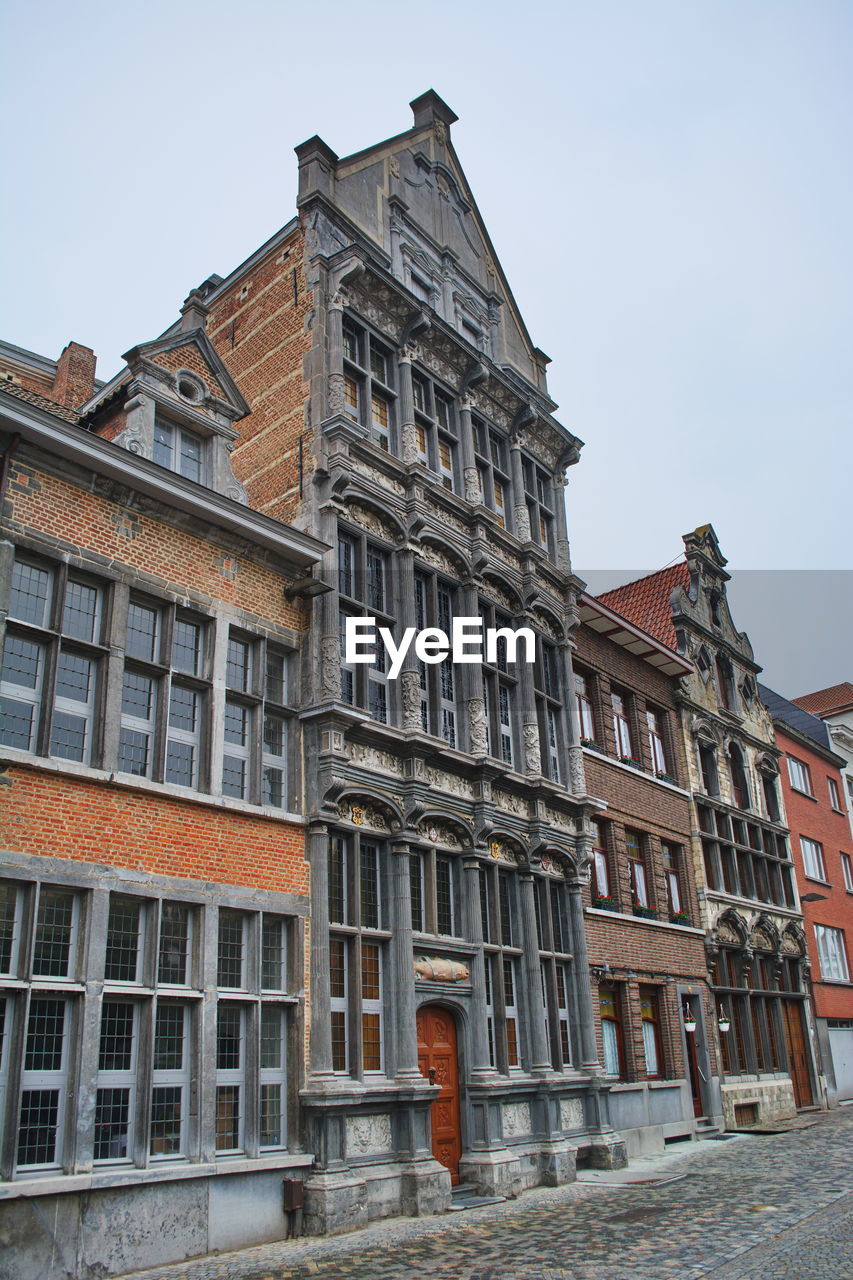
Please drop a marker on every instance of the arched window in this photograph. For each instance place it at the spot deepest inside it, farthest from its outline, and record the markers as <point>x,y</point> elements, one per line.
<point>740,780</point>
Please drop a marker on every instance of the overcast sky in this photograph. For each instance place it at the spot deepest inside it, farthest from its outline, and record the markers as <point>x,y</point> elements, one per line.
<point>667,183</point>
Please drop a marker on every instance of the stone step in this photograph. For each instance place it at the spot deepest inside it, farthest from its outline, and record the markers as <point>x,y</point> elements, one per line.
<point>466,1198</point>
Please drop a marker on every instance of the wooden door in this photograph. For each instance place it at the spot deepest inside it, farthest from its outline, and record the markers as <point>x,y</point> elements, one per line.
<point>798,1058</point>
<point>437,1052</point>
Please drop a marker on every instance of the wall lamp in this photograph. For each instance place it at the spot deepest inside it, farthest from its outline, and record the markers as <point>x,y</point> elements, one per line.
<point>305,588</point>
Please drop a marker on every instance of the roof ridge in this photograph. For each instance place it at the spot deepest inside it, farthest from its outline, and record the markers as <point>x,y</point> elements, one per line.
<point>645,578</point>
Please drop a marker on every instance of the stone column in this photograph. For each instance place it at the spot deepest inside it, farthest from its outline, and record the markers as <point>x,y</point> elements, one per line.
<point>563,556</point>
<point>540,1053</point>
<point>320,994</point>
<point>522,515</point>
<point>583,990</point>
<point>472,488</point>
<point>335,352</point>
<point>401,966</point>
<point>406,403</point>
<point>409,680</point>
<point>480,1064</point>
<point>531,761</point>
<point>576,775</point>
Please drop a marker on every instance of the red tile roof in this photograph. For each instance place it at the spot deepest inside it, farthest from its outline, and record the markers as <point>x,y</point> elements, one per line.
<point>646,601</point>
<point>40,401</point>
<point>838,697</point>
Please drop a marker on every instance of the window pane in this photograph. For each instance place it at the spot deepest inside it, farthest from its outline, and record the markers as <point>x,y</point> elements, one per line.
<point>80,612</point>
<point>230,953</point>
<point>229,1037</point>
<point>186,646</point>
<point>166,1113</point>
<point>169,1032</point>
<point>369,887</point>
<point>112,1124</point>
<point>276,690</point>
<point>272,955</point>
<point>183,709</point>
<point>271,1037</point>
<point>190,456</point>
<point>271,1134</point>
<point>611,1048</point>
<point>30,594</point>
<point>141,632</point>
<point>444,895</point>
<point>133,752</point>
<point>122,941</point>
<point>117,1025</point>
<point>45,1035</point>
<point>174,943</point>
<point>228,1117</point>
<point>38,1127</point>
<point>8,907</point>
<point>54,929</point>
<point>238,665</point>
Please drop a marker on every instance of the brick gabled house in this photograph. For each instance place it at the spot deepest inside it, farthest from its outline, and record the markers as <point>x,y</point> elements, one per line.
<point>656,1017</point>
<point>822,845</point>
<point>154,887</point>
<point>741,854</point>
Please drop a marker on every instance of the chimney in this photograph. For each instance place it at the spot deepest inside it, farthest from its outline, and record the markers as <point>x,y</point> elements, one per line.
<point>429,109</point>
<point>74,382</point>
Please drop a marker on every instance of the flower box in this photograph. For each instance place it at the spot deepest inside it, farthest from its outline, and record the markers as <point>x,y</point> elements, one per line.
<point>666,777</point>
<point>645,913</point>
<point>604,904</point>
<point>680,917</point>
<point>593,746</point>
<point>632,763</point>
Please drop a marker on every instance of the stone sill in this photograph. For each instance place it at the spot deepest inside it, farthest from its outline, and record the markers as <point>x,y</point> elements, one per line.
<point>637,773</point>
<point>632,919</point>
<point>51,764</point>
<point>771,908</point>
<point>58,1183</point>
<point>625,1086</point>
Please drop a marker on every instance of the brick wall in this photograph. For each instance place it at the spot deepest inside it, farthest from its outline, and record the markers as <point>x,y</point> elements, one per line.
<point>814,817</point>
<point>90,820</point>
<point>260,327</point>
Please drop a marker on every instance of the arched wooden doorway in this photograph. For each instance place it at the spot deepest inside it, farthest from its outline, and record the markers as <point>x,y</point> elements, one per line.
<point>437,1054</point>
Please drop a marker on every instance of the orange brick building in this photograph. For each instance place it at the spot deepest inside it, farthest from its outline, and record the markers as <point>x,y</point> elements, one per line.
<point>822,846</point>
<point>153,899</point>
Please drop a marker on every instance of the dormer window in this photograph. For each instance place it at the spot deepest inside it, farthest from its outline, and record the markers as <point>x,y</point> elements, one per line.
<point>178,449</point>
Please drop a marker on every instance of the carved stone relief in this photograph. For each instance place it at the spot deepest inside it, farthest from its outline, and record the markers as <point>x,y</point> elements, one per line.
<point>522,523</point>
<point>512,803</point>
<point>410,695</point>
<point>571,1113</point>
<point>371,758</point>
<point>379,477</point>
<point>446,834</point>
<point>450,783</point>
<point>368,1135</point>
<point>532,754</point>
<point>330,667</point>
<point>516,1118</point>
<point>439,559</point>
<point>369,519</point>
<point>362,812</point>
<point>473,488</point>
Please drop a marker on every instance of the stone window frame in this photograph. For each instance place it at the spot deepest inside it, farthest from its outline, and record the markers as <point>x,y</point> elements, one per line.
<point>541,498</point>
<point>501,922</point>
<point>556,964</point>
<point>501,690</point>
<point>180,448</point>
<point>725,857</point>
<point>366,685</point>
<point>437,601</point>
<point>362,349</point>
<point>548,687</point>
<point>117,593</point>
<point>351,1010</point>
<point>83,990</point>
<point>431,433</point>
<point>424,870</point>
<point>48,633</point>
<point>491,458</point>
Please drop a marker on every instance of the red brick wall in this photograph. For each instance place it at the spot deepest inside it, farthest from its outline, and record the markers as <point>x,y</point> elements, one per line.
<point>261,332</point>
<point>816,819</point>
<point>89,820</point>
<point>38,504</point>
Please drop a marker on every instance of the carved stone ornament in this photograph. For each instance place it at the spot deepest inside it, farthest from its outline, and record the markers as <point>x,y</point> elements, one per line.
<point>394,167</point>
<point>546,623</point>
<point>379,477</point>
<point>446,834</point>
<point>371,758</point>
<point>571,1113</point>
<point>371,520</point>
<point>410,351</point>
<point>727,933</point>
<point>532,754</point>
<point>440,132</point>
<point>558,819</point>
<point>410,694</point>
<point>577,776</point>
<point>409,443</point>
<point>502,852</point>
<point>512,803</point>
<point>368,1135</point>
<point>496,591</point>
<point>362,813</point>
<point>439,560</point>
<point>473,488</point>
<point>330,667</point>
<point>790,946</point>
<point>450,783</point>
<point>337,399</point>
<point>516,1118</point>
<point>440,969</point>
<point>445,518</point>
<point>478,727</point>
<point>522,523</point>
<point>759,941</point>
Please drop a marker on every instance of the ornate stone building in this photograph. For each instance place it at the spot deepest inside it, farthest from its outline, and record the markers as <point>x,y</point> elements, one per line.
<point>742,860</point>
<point>401,415</point>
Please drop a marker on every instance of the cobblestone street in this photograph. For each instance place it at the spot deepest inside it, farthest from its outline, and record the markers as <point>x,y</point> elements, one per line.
<point>769,1207</point>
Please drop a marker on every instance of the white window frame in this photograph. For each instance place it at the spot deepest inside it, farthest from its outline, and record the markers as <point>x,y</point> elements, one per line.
<point>832,953</point>
<point>121,1079</point>
<point>54,1081</point>
<point>173,1078</point>
<point>813,859</point>
<point>799,775</point>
